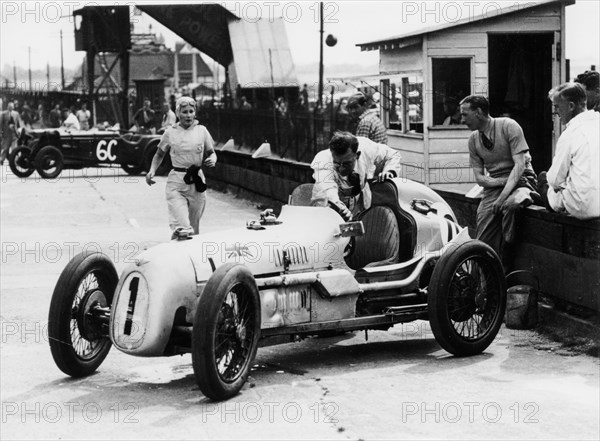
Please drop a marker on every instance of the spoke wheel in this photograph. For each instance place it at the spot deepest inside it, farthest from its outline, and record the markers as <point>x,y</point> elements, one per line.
<point>226,332</point>
<point>78,338</point>
<point>20,163</point>
<point>467,298</point>
<point>49,162</point>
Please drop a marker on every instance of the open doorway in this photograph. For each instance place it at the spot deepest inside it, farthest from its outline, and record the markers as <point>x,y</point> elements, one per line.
<point>520,76</point>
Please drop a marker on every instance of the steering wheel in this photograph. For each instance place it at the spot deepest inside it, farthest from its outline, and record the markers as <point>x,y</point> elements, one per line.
<point>350,247</point>
<point>130,137</point>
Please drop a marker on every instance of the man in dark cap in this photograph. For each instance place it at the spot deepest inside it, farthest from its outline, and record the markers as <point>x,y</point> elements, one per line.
<point>590,80</point>
<point>369,125</point>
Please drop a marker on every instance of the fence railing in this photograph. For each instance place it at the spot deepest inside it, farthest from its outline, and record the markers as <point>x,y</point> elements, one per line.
<point>297,136</point>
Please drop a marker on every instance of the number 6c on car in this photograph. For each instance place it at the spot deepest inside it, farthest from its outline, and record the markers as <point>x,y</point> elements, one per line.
<point>104,154</point>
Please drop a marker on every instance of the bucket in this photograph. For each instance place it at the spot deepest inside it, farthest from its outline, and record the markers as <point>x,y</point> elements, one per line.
<point>521,301</point>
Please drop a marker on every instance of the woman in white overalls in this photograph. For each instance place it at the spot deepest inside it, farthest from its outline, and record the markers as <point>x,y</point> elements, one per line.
<point>189,144</point>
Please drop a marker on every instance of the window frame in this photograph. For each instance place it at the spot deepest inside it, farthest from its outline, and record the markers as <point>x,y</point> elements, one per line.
<point>401,79</point>
<point>469,91</point>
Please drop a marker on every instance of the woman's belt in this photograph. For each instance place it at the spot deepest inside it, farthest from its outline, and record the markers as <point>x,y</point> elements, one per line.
<point>192,176</point>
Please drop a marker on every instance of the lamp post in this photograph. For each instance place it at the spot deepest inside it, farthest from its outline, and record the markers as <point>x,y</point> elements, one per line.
<point>62,64</point>
<point>30,86</point>
<point>330,41</point>
<point>320,96</point>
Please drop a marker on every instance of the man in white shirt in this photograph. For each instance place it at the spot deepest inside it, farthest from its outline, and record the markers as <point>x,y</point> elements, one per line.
<point>83,116</point>
<point>573,183</point>
<point>169,117</point>
<point>341,172</point>
<point>71,122</point>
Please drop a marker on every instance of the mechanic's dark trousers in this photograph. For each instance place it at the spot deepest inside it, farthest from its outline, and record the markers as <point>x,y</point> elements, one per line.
<point>499,231</point>
<point>185,203</point>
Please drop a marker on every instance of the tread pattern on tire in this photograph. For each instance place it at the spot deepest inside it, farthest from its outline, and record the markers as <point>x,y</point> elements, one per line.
<point>439,318</point>
<point>59,317</point>
<point>203,331</point>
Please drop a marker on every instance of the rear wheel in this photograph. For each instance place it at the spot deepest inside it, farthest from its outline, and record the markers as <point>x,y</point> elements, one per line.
<point>166,165</point>
<point>49,162</point>
<point>226,331</point>
<point>467,298</point>
<point>20,163</point>
<point>77,329</point>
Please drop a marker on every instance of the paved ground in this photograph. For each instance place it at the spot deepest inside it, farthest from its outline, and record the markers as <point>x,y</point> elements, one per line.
<point>397,385</point>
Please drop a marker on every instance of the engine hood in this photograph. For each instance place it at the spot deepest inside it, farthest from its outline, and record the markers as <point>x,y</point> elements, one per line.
<point>304,238</point>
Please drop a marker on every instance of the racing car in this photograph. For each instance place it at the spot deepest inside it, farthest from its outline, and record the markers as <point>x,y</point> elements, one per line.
<point>303,273</point>
<point>49,151</point>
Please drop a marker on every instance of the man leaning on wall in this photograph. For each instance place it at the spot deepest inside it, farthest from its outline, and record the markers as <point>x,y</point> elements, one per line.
<point>572,185</point>
<point>497,146</point>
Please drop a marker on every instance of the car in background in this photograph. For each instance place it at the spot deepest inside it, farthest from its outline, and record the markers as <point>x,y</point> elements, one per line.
<point>50,151</point>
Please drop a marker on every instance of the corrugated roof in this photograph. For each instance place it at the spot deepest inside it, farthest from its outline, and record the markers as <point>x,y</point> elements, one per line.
<point>251,42</point>
<point>413,37</point>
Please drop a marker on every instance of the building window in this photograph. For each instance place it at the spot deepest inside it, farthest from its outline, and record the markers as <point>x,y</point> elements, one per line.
<point>402,103</point>
<point>451,83</point>
<point>414,108</point>
<point>391,104</point>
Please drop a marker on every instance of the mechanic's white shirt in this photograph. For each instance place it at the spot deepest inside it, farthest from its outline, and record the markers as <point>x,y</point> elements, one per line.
<point>574,174</point>
<point>374,159</point>
<point>71,123</point>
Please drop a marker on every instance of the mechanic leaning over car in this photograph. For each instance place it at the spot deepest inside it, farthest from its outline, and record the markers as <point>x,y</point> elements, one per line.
<point>190,146</point>
<point>341,172</point>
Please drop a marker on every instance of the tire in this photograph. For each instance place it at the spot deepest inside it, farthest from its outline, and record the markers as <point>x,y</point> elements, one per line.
<point>218,332</point>
<point>19,162</point>
<point>49,162</point>
<point>79,342</point>
<point>467,298</point>
<point>132,170</point>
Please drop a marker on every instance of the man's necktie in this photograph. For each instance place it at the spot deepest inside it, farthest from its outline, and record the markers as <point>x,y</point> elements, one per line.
<point>354,180</point>
<point>486,142</point>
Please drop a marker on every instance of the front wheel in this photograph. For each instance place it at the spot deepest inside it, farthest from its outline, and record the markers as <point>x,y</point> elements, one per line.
<point>49,162</point>
<point>20,162</point>
<point>77,326</point>
<point>226,331</point>
<point>467,298</point>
